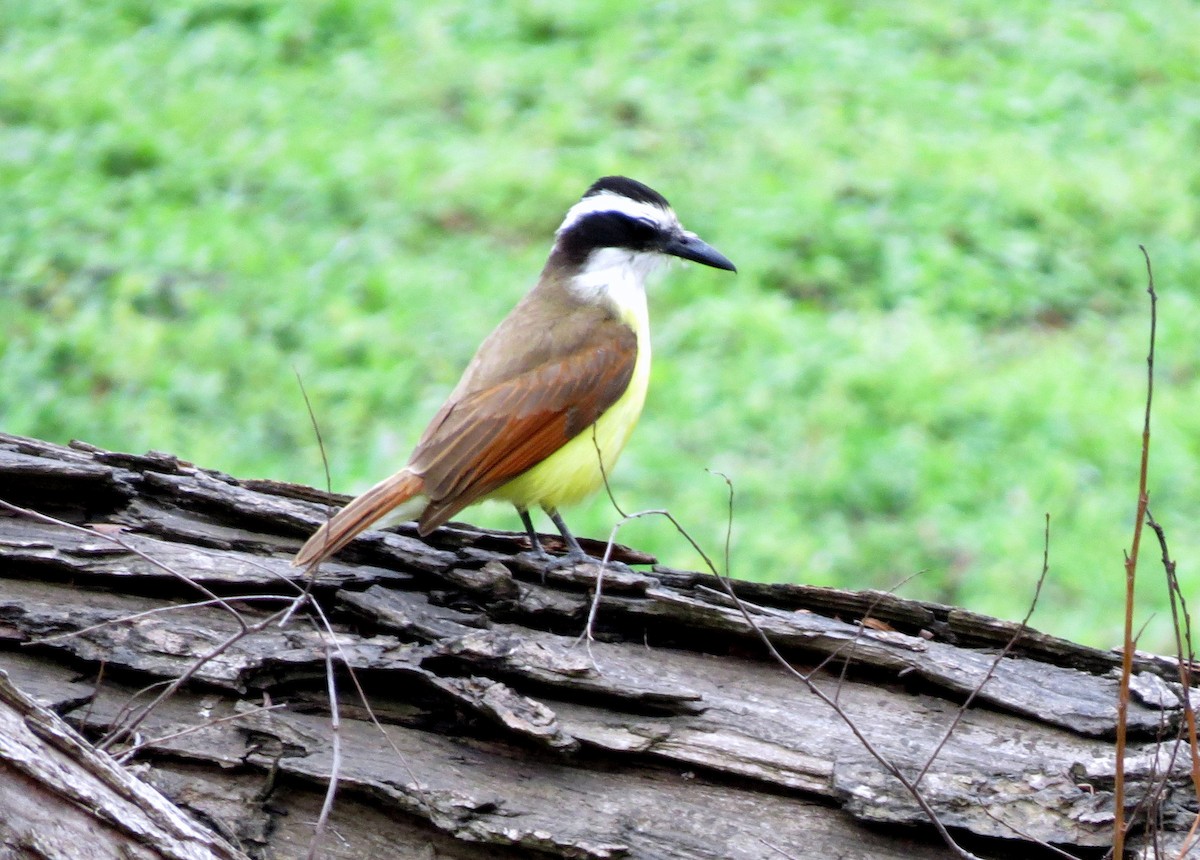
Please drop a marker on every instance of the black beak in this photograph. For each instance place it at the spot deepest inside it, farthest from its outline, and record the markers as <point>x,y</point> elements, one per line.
<point>689,246</point>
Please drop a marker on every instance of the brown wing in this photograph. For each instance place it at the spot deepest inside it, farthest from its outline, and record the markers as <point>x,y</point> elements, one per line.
<point>485,438</point>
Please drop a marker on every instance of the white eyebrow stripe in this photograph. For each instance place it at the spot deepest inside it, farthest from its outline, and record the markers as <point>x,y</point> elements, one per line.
<point>607,201</point>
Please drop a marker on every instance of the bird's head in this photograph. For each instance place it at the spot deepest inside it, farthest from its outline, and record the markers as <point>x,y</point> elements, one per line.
<point>621,223</point>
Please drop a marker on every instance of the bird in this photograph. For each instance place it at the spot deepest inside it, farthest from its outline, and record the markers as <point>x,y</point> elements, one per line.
<point>550,398</point>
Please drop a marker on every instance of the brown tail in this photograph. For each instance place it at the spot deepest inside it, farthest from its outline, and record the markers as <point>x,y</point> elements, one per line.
<point>357,516</point>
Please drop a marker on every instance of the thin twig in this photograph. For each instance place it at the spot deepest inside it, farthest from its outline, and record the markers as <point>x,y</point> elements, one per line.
<point>127,706</point>
<point>312,417</point>
<point>594,606</point>
<point>847,646</point>
<point>130,752</point>
<point>1026,836</point>
<point>809,683</point>
<point>120,733</point>
<point>776,849</point>
<point>146,613</point>
<point>604,473</point>
<point>1185,655</point>
<point>327,627</point>
<point>962,709</point>
<point>313,568</point>
<point>335,766</point>
<point>1120,825</point>
<point>728,516</point>
<point>113,539</point>
<point>1190,839</point>
<point>97,687</point>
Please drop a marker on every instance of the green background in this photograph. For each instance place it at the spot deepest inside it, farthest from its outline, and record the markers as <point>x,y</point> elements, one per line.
<point>938,332</point>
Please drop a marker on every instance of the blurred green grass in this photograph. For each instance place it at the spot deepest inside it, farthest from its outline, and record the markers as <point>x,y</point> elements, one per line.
<point>937,335</point>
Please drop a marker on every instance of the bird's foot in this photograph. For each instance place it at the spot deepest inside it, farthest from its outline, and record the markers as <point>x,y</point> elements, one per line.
<point>572,559</point>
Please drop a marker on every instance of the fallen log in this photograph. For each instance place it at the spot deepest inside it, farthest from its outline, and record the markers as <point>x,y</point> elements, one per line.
<point>485,729</point>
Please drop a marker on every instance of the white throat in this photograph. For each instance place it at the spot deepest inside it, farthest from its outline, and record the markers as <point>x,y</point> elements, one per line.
<point>616,277</point>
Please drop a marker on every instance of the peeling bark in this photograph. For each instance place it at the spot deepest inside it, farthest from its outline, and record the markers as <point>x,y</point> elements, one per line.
<point>500,735</point>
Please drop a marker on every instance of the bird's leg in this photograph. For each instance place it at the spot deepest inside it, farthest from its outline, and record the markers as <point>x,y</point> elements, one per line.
<point>574,555</point>
<point>575,552</point>
<point>534,541</point>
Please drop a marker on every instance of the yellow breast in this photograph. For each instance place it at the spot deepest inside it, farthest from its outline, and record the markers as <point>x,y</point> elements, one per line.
<point>572,473</point>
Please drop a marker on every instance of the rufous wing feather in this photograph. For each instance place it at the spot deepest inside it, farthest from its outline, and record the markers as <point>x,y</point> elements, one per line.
<point>357,516</point>
<point>491,436</point>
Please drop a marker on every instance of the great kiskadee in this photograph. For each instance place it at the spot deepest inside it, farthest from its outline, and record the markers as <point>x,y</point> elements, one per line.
<point>549,400</point>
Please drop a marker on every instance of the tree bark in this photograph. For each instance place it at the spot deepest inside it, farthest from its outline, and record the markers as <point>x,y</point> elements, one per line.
<point>491,732</point>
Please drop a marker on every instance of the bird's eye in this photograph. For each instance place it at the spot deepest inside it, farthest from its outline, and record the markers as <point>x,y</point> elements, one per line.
<point>645,227</point>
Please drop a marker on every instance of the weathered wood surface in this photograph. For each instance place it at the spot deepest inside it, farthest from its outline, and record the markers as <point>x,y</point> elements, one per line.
<point>498,735</point>
<point>59,798</point>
